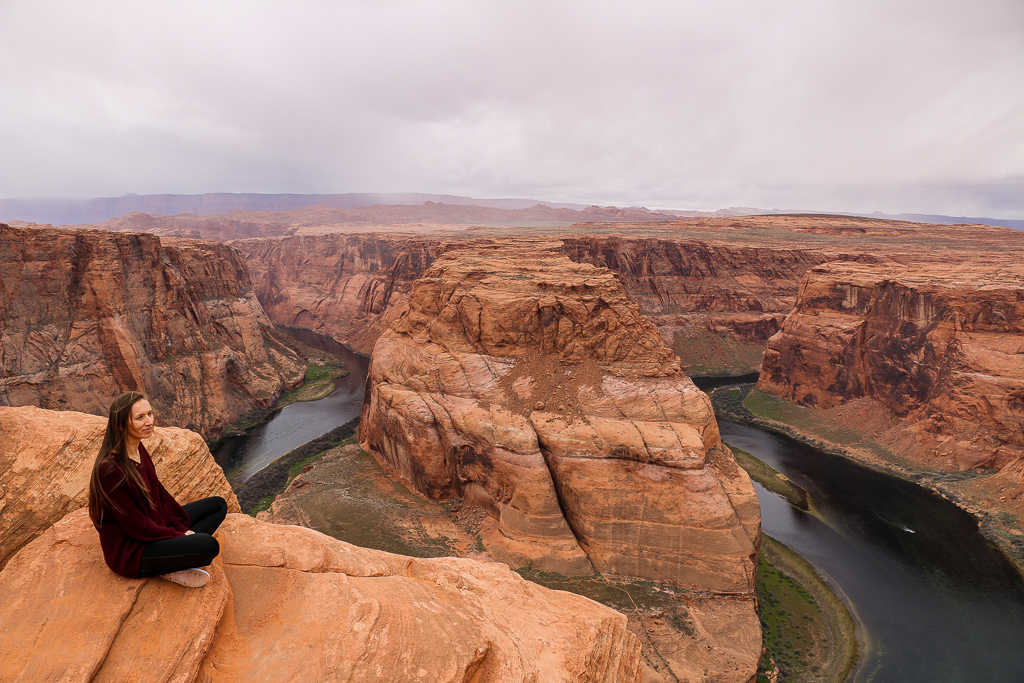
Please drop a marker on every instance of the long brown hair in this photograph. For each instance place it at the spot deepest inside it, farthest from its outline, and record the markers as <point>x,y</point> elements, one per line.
<point>114,448</point>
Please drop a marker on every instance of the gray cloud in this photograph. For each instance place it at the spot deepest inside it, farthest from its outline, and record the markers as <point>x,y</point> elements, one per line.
<point>861,105</point>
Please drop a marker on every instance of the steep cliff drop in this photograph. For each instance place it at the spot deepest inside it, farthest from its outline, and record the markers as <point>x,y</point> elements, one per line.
<point>926,361</point>
<point>942,350</point>
<point>344,286</point>
<point>714,304</point>
<point>284,603</point>
<point>86,314</point>
<point>531,384</point>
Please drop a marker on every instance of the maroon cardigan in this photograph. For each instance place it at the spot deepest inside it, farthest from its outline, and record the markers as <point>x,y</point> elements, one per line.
<point>124,533</point>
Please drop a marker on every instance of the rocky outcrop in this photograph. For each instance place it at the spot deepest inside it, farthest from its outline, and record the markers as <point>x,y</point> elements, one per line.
<point>339,285</point>
<point>46,458</point>
<point>85,315</point>
<point>941,349</point>
<point>288,603</point>
<point>531,385</point>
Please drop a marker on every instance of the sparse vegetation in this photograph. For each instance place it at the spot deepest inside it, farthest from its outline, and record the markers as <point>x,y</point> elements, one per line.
<point>809,634</point>
<point>766,476</point>
<point>704,352</point>
<point>318,383</point>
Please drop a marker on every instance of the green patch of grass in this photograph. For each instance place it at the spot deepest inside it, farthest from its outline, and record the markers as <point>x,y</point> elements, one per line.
<point>810,421</point>
<point>808,632</point>
<point>318,382</point>
<point>263,504</point>
<point>728,402</point>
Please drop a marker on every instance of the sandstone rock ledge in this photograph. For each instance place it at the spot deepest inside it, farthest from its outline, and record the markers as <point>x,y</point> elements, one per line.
<point>289,604</point>
<point>46,458</point>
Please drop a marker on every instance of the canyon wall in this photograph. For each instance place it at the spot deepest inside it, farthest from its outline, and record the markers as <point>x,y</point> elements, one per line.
<point>940,348</point>
<point>86,315</point>
<point>532,386</point>
<point>340,285</point>
<point>283,602</point>
<point>715,305</point>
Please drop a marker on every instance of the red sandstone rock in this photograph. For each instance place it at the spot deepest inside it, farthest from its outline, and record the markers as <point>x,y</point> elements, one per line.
<point>287,603</point>
<point>940,348</point>
<point>344,285</point>
<point>533,386</point>
<point>85,315</point>
<point>340,285</point>
<point>46,458</point>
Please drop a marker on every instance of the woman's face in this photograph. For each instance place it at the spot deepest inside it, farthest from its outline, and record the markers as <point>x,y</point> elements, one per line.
<point>140,421</point>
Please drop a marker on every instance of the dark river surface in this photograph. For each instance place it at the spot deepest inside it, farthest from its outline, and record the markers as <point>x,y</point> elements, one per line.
<point>937,602</point>
<point>295,424</point>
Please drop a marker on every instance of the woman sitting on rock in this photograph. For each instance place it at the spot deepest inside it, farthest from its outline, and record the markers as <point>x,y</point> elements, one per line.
<point>143,530</point>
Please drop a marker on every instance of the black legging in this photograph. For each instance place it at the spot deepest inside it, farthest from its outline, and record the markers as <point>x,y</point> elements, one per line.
<point>187,552</point>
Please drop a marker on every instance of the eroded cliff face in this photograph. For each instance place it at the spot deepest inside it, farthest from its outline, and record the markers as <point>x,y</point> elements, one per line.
<point>86,315</point>
<point>531,385</point>
<point>940,348</point>
<point>277,593</point>
<point>340,285</point>
<point>715,305</point>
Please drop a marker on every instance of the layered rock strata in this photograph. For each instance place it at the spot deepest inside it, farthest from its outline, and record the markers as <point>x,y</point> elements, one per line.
<point>85,315</point>
<point>288,603</point>
<point>697,293</point>
<point>941,349</point>
<point>339,285</point>
<point>46,458</point>
<point>531,385</point>
<point>716,304</point>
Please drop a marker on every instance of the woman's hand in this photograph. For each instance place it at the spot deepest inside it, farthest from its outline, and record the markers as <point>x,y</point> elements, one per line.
<point>190,533</point>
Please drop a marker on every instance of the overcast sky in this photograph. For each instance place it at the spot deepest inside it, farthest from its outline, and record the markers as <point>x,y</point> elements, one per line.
<point>856,105</point>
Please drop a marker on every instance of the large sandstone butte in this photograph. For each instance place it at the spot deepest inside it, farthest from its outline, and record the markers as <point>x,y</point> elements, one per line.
<point>86,314</point>
<point>46,458</point>
<point>532,386</point>
<point>284,603</point>
<point>940,348</point>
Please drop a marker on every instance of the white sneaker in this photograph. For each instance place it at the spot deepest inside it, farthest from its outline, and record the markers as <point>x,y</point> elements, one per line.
<point>190,578</point>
